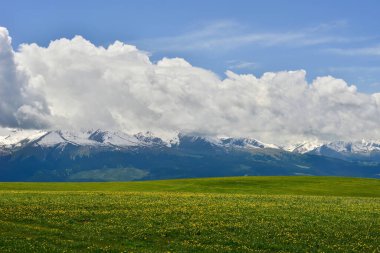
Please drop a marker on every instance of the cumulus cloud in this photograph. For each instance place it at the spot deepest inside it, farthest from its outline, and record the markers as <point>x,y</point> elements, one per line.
<point>74,84</point>
<point>20,104</point>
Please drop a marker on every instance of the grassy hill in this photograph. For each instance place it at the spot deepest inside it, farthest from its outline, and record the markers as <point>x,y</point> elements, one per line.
<point>236,214</point>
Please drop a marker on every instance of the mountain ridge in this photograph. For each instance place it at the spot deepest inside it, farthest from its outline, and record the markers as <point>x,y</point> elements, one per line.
<point>19,138</point>
<point>101,155</point>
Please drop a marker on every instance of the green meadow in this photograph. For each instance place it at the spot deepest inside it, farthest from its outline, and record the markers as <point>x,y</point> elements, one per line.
<point>234,214</point>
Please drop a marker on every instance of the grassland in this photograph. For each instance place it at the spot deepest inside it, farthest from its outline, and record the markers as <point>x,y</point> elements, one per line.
<point>239,214</point>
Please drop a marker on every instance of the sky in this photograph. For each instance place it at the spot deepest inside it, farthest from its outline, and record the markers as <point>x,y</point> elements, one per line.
<point>296,69</point>
<point>338,38</point>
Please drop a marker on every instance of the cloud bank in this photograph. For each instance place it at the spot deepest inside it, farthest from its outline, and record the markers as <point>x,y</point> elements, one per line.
<point>20,104</point>
<point>75,84</point>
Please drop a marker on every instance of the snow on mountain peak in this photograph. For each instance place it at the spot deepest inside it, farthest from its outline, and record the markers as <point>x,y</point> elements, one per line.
<point>246,143</point>
<point>304,147</point>
<point>120,139</point>
<point>19,137</point>
<point>362,146</point>
<point>149,138</point>
<point>115,138</point>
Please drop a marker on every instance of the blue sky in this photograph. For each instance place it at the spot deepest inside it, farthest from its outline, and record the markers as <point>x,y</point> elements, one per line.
<point>338,38</point>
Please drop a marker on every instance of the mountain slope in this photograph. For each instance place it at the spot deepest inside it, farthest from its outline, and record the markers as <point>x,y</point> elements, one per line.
<point>99,155</point>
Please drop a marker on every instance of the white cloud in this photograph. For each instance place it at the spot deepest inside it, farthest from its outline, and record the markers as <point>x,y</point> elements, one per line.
<point>20,104</point>
<point>355,69</point>
<point>118,87</point>
<point>236,64</point>
<point>228,35</point>
<point>364,51</point>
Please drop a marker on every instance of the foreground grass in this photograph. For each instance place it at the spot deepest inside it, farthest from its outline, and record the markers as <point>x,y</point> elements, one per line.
<point>205,215</point>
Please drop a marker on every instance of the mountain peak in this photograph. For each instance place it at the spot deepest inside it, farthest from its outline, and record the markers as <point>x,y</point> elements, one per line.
<point>120,139</point>
<point>246,143</point>
<point>305,146</point>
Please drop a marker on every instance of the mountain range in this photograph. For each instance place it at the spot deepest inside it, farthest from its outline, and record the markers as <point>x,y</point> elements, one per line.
<point>100,155</point>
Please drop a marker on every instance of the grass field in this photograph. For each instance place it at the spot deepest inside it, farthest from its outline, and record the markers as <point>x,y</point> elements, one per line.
<point>238,214</point>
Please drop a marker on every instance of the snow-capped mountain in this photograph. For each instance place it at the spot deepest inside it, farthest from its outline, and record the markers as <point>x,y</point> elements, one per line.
<point>246,143</point>
<point>316,146</point>
<point>91,155</point>
<point>362,146</point>
<point>304,147</point>
<point>20,138</point>
<point>364,150</point>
